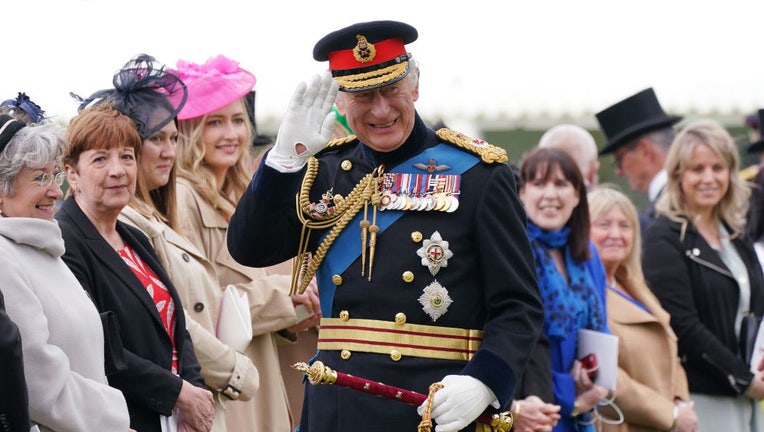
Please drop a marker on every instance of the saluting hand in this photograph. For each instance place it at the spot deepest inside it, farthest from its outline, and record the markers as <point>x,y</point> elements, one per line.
<point>307,125</point>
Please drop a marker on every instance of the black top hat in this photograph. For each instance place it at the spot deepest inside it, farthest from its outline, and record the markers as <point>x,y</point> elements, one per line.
<point>632,117</point>
<point>367,55</point>
<point>758,146</point>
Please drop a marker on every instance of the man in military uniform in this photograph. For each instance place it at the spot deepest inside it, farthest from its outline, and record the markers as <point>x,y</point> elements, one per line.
<point>417,239</point>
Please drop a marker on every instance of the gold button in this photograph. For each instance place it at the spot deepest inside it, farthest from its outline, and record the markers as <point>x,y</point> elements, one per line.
<point>337,279</point>
<point>416,236</point>
<point>395,355</point>
<point>346,165</point>
<point>345,354</point>
<point>408,276</point>
<point>344,315</point>
<point>400,318</point>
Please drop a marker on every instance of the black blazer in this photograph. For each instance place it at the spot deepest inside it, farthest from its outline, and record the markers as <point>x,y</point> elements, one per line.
<point>149,386</point>
<point>698,290</point>
<point>14,401</point>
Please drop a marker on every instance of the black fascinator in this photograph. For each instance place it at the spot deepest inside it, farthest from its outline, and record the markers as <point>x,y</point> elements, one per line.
<point>141,91</point>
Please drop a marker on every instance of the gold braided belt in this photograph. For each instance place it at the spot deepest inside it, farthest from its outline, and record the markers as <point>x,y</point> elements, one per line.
<point>398,339</point>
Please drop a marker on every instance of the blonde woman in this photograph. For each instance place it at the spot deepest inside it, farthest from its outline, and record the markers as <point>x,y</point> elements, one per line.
<point>652,386</point>
<point>213,153</point>
<point>705,273</point>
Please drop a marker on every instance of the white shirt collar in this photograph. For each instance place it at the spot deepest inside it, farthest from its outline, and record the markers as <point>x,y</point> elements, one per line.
<point>656,185</point>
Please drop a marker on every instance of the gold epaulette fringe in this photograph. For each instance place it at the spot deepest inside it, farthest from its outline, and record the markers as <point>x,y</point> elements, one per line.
<point>339,142</point>
<point>488,153</point>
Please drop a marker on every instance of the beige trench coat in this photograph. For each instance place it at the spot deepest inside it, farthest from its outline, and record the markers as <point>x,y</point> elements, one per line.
<point>196,281</point>
<point>650,375</point>
<point>271,308</point>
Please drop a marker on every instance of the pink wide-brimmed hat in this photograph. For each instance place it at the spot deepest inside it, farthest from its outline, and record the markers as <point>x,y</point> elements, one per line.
<point>213,85</point>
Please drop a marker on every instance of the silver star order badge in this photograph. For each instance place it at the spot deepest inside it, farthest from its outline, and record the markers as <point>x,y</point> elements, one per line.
<point>435,300</point>
<point>434,253</point>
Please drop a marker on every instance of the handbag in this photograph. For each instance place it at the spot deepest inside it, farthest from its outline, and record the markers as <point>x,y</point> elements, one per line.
<point>749,329</point>
<point>113,352</point>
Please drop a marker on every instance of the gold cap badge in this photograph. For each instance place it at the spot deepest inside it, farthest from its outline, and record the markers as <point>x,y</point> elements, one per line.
<point>364,50</point>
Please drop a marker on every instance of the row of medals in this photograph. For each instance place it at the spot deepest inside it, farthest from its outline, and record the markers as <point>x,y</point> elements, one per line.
<point>438,192</point>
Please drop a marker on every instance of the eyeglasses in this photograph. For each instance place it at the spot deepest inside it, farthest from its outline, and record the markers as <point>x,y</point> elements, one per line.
<point>45,179</point>
<point>618,159</point>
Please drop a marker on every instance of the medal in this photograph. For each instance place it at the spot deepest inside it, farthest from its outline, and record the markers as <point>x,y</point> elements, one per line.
<point>435,300</point>
<point>410,192</point>
<point>324,207</point>
<point>434,253</point>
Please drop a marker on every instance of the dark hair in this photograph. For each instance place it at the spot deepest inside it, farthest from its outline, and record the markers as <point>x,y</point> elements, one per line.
<point>755,218</point>
<point>541,163</point>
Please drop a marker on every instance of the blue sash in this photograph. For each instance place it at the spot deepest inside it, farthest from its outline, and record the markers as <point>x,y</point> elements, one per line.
<point>346,250</point>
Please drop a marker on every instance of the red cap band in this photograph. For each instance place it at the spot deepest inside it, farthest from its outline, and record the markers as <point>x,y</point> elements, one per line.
<point>386,50</point>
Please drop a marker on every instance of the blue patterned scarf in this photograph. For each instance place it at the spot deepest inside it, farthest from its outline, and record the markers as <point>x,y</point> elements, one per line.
<point>567,306</point>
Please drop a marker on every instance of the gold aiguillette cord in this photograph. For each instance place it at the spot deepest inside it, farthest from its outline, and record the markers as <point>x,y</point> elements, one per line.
<point>305,264</point>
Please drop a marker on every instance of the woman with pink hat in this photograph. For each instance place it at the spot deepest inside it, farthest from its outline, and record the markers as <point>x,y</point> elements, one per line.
<point>213,159</point>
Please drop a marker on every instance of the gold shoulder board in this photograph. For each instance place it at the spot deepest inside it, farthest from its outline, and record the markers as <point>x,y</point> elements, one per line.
<point>489,153</point>
<point>339,142</point>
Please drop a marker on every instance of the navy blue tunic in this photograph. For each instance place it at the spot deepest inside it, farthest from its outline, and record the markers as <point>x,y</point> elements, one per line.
<point>490,278</point>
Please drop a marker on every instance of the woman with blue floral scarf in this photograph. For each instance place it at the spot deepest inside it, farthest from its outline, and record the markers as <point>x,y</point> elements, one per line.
<point>570,276</point>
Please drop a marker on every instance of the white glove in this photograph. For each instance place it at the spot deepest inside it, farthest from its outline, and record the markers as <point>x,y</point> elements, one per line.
<point>461,400</point>
<point>307,126</point>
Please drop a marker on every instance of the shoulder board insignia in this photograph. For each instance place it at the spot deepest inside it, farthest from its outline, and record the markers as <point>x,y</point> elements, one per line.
<point>339,142</point>
<point>489,153</point>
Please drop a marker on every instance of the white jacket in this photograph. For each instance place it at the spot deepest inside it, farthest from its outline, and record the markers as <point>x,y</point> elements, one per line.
<point>61,333</point>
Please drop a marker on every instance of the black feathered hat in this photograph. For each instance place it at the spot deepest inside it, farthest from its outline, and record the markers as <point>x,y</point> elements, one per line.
<point>143,91</point>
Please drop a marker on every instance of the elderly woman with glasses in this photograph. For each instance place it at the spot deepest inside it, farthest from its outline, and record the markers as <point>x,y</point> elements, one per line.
<point>61,333</point>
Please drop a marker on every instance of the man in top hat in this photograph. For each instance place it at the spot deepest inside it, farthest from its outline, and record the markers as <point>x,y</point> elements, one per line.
<point>639,134</point>
<point>417,239</point>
